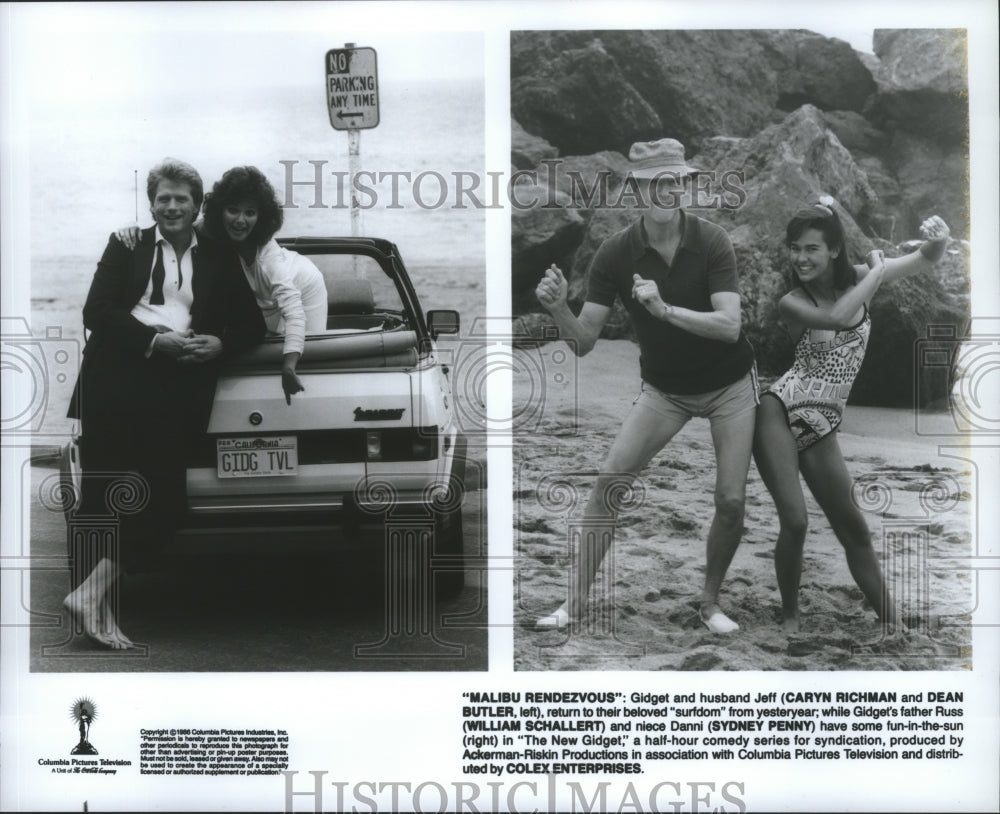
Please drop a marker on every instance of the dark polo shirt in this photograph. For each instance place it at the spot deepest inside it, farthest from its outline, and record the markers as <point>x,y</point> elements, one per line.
<point>674,360</point>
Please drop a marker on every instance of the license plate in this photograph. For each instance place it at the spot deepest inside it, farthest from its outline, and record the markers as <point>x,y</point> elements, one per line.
<point>263,457</point>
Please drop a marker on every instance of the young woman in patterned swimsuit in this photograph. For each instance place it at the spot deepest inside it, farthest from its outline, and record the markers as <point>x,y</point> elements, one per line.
<point>827,315</point>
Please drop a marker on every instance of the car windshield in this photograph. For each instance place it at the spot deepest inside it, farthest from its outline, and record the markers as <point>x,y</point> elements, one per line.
<point>360,296</point>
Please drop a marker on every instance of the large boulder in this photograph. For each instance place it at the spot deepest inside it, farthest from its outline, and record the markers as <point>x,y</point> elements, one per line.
<point>552,209</point>
<point>797,161</point>
<point>526,150</point>
<point>586,91</point>
<point>856,133</point>
<point>543,233</point>
<point>591,182</point>
<point>932,180</point>
<point>788,164</point>
<point>923,83</point>
<point>913,176</point>
<point>700,83</point>
<point>901,313</point>
<point>892,217</point>
<point>575,95</point>
<point>813,69</point>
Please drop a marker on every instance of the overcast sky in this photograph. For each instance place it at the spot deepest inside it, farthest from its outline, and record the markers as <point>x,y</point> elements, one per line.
<point>70,53</point>
<point>73,55</point>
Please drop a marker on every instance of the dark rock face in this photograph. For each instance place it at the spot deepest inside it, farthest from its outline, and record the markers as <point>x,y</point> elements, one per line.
<point>817,70</point>
<point>893,217</point>
<point>923,83</point>
<point>528,151</point>
<point>901,313</point>
<point>855,132</point>
<point>576,96</point>
<point>541,235</point>
<point>792,116</point>
<point>586,91</point>
<point>550,216</point>
<point>931,181</point>
<point>791,163</point>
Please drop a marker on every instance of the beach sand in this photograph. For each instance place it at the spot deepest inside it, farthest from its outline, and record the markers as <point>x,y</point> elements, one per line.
<point>644,616</point>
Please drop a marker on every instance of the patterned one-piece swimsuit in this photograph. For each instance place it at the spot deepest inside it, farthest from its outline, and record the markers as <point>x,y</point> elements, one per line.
<point>814,391</point>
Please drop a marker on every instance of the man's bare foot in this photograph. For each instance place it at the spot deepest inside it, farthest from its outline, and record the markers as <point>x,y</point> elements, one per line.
<point>96,619</point>
<point>715,620</point>
<point>110,626</point>
<point>84,610</point>
<point>557,620</point>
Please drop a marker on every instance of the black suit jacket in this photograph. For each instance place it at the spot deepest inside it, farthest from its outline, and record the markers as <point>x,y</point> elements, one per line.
<point>223,306</point>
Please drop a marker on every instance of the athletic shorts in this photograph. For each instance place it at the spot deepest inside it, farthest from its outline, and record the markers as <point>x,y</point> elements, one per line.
<point>718,406</point>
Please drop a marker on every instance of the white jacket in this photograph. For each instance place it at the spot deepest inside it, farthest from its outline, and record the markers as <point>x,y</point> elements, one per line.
<point>290,292</point>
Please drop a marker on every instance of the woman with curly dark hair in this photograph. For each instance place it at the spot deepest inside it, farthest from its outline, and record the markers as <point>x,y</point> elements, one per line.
<point>243,209</point>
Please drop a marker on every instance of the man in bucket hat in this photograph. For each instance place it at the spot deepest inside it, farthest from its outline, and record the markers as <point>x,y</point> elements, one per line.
<point>675,274</point>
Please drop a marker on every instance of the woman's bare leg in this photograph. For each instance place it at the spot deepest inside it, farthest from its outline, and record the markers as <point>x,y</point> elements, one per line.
<point>777,460</point>
<point>826,474</point>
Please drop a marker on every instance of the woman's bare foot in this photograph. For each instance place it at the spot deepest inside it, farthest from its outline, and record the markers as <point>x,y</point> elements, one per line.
<point>790,622</point>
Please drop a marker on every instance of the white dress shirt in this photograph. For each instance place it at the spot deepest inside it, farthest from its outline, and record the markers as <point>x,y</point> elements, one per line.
<point>178,294</point>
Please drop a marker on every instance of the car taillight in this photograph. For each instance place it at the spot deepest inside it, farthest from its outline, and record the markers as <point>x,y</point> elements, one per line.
<point>422,448</point>
<point>373,445</point>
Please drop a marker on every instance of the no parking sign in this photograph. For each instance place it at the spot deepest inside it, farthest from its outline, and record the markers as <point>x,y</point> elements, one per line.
<point>352,88</point>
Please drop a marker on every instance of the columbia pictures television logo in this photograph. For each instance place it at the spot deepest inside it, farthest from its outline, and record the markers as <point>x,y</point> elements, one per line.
<point>31,367</point>
<point>967,368</point>
<point>84,712</point>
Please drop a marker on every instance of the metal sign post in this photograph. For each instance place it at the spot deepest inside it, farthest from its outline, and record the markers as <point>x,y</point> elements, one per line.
<point>352,99</point>
<point>353,165</point>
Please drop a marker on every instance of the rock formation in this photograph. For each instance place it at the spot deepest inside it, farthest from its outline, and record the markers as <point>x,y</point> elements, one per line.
<point>785,116</point>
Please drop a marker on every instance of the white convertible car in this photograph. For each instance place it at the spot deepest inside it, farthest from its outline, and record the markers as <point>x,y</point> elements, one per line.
<point>373,436</point>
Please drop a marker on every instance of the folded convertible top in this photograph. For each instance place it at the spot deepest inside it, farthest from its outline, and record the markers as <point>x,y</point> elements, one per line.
<point>333,352</point>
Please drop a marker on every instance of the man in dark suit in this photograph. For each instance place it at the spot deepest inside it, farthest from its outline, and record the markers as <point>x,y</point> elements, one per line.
<point>161,318</point>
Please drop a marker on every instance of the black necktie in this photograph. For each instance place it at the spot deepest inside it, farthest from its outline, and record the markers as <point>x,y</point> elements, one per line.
<point>156,298</point>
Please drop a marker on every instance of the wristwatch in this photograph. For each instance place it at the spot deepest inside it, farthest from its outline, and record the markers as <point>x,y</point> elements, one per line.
<point>667,310</point>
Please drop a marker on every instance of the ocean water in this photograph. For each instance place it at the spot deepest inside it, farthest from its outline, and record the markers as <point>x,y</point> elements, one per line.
<point>83,186</point>
<point>83,174</point>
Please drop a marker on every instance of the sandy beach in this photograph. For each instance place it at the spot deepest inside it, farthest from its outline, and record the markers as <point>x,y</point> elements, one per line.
<point>644,614</point>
